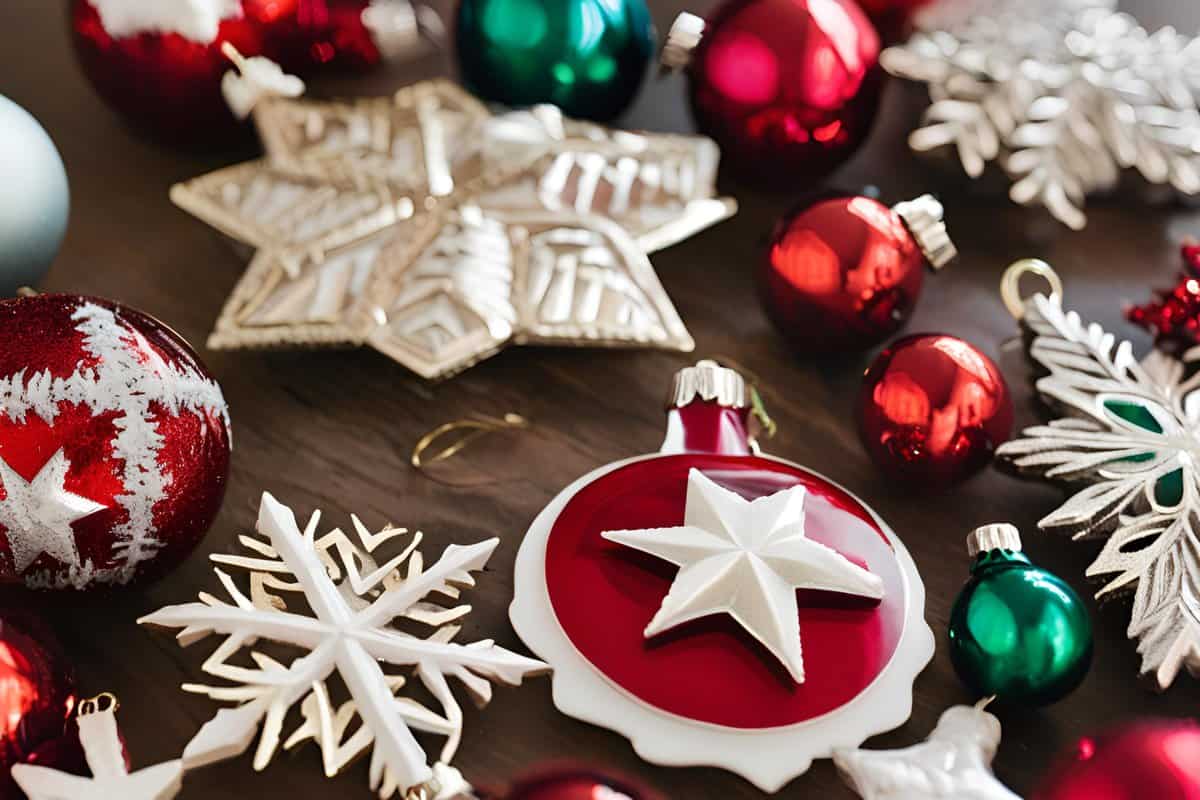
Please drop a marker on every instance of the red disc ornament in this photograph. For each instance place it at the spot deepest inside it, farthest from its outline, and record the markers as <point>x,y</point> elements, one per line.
<point>1158,758</point>
<point>721,607</point>
<point>114,444</point>
<point>788,88</point>
<point>37,697</point>
<point>932,410</point>
<point>843,273</point>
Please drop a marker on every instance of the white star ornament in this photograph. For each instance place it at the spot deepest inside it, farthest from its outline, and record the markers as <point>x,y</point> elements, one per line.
<point>746,558</point>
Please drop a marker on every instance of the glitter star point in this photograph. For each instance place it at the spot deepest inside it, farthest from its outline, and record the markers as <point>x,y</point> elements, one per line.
<point>37,515</point>
<point>746,558</point>
<point>438,233</point>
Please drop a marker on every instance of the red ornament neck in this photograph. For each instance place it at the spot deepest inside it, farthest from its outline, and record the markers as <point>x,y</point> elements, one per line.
<point>704,426</point>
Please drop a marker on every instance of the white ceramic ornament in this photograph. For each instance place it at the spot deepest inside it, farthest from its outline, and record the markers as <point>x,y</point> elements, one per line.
<point>352,631</point>
<point>105,753</point>
<point>954,763</point>
<point>701,665</point>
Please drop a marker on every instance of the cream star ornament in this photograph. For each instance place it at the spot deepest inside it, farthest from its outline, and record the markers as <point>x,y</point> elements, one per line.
<point>426,227</point>
<point>37,515</point>
<point>954,763</point>
<point>746,558</point>
<point>104,751</point>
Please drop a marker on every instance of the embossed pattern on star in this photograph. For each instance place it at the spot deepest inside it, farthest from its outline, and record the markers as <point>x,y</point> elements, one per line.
<point>37,515</point>
<point>746,558</point>
<point>438,233</point>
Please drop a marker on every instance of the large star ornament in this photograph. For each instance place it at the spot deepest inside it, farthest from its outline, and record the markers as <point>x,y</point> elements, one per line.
<point>437,233</point>
<point>746,558</point>
<point>37,515</point>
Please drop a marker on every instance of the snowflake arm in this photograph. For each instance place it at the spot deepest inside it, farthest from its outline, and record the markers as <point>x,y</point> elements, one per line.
<point>350,632</point>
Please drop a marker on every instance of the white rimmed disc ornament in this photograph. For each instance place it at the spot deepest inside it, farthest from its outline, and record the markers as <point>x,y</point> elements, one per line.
<point>806,637</point>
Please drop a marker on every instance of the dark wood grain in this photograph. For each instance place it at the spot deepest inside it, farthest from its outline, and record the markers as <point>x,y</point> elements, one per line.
<point>333,430</point>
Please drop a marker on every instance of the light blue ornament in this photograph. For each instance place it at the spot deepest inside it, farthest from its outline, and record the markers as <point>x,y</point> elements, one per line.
<point>34,199</point>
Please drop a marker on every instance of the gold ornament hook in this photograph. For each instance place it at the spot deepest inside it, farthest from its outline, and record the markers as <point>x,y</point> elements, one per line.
<point>101,702</point>
<point>1010,283</point>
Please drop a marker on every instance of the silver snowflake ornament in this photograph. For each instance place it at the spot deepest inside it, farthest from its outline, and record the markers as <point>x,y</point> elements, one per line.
<point>1062,94</point>
<point>1127,441</point>
<point>359,626</point>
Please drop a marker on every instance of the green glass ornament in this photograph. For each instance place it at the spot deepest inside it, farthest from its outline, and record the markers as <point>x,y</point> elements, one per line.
<point>1017,631</point>
<point>587,57</point>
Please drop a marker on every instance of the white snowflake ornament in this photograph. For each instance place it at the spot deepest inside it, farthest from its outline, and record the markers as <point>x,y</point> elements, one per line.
<point>105,754</point>
<point>954,763</point>
<point>1061,95</point>
<point>1125,441</point>
<point>746,558</point>
<point>351,629</point>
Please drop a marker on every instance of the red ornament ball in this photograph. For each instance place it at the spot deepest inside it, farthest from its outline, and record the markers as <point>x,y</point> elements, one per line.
<point>575,783</point>
<point>788,88</point>
<point>932,410</point>
<point>159,64</point>
<point>114,444</point>
<point>842,274</point>
<point>892,18</point>
<point>37,696</point>
<point>1149,758</point>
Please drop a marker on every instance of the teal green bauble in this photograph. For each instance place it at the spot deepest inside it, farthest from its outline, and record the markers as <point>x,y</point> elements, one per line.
<point>586,56</point>
<point>1017,631</point>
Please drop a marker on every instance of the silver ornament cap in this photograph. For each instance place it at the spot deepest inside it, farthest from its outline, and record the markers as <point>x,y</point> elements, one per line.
<point>710,381</point>
<point>682,39</point>
<point>997,536</point>
<point>923,218</point>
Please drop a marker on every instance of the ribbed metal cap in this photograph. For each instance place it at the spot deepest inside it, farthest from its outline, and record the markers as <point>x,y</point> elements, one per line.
<point>683,37</point>
<point>923,218</point>
<point>997,536</point>
<point>709,381</point>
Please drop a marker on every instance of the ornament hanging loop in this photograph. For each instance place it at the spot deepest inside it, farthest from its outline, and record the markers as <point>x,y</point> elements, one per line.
<point>1010,283</point>
<point>105,701</point>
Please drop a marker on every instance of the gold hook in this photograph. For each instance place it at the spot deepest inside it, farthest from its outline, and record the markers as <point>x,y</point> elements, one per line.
<point>474,428</point>
<point>1010,283</point>
<point>101,702</point>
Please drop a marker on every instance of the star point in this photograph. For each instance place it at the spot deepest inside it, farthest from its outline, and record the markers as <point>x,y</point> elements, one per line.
<point>746,558</point>
<point>37,515</point>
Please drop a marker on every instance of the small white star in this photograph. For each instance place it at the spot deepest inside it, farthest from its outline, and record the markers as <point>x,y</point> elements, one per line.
<point>37,515</point>
<point>111,780</point>
<point>746,558</point>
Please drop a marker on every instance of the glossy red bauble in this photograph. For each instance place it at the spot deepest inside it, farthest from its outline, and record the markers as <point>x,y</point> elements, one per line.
<point>1154,758</point>
<point>167,83</point>
<point>37,696</point>
<point>788,88</point>
<point>575,783</point>
<point>840,275</point>
<point>114,444</point>
<point>933,410</point>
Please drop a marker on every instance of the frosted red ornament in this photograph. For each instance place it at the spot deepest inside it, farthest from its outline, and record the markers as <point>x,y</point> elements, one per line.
<point>842,273</point>
<point>788,88</point>
<point>1148,758</point>
<point>932,410</point>
<point>586,598</point>
<point>114,444</point>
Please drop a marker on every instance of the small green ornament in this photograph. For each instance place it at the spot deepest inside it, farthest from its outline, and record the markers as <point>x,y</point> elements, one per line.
<point>1017,631</point>
<point>587,57</point>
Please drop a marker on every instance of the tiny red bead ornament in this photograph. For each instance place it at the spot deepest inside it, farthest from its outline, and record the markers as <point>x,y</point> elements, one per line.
<point>575,783</point>
<point>114,444</point>
<point>1174,315</point>
<point>37,696</point>
<point>932,410</point>
<point>788,88</point>
<point>1149,758</point>
<point>843,273</point>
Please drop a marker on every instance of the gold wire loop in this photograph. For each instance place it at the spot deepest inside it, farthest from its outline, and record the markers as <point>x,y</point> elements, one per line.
<point>1010,283</point>
<point>101,702</point>
<point>474,429</point>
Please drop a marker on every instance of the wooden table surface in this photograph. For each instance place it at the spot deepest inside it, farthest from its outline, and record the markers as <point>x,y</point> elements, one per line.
<point>334,430</point>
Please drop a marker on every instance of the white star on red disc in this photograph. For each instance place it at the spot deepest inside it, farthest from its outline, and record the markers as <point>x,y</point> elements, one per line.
<point>37,515</point>
<point>746,558</point>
